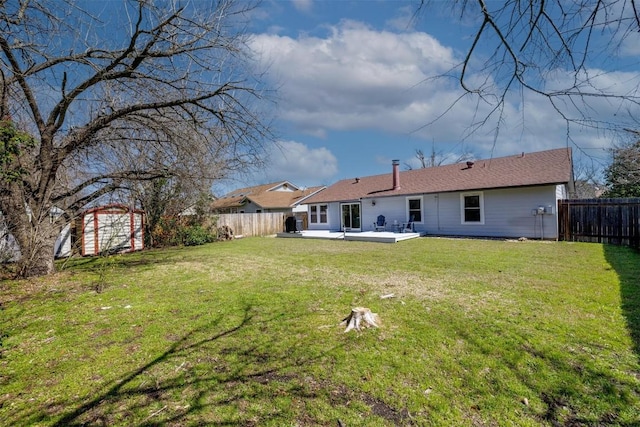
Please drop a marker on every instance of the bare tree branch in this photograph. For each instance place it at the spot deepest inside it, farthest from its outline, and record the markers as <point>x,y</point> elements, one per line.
<point>518,46</point>
<point>150,90</point>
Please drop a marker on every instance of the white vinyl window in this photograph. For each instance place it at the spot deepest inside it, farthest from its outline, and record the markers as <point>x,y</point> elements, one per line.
<point>414,209</point>
<point>318,214</point>
<point>472,208</point>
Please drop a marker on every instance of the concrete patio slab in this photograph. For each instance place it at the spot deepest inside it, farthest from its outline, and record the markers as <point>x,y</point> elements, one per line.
<point>364,236</point>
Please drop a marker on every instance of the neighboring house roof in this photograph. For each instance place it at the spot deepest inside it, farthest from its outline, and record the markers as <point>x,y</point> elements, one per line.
<point>277,195</point>
<point>526,169</point>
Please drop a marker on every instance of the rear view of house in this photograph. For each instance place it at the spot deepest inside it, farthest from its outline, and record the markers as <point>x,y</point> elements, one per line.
<point>513,196</point>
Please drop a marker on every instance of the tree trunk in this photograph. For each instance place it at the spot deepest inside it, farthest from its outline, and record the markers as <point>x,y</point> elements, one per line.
<point>37,260</point>
<point>37,245</point>
<point>35,234</point>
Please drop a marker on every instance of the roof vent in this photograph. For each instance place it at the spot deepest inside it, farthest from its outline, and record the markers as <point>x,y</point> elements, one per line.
<point>469,165</point>
<point>357,180</point>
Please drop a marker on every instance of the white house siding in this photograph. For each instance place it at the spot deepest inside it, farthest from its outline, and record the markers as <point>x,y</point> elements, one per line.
<point>63,243</point>
<point>9,250</point>
<point>250,207</point>
<point>507,213</point>
<point>393,209</point>
<point>333,218</point>
<point>562,192</point>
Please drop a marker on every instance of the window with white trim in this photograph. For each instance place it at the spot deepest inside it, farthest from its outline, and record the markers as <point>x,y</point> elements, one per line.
<point>472,208</point>
<point>414,208</point>
<point>318,214</point>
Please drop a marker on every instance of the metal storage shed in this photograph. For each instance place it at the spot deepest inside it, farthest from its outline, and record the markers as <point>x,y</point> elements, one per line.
<point>112,228</point>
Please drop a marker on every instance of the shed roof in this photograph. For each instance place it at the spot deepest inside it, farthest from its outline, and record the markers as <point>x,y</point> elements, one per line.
<point>526,169</point>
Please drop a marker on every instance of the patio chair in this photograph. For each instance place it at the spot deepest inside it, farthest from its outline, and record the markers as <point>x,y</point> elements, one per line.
<point>408,226</point>
<point>380,224</point>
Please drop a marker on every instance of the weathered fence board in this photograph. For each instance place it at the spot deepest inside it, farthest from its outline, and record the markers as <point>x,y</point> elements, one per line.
<point>613,221</point>
<point>253,224</point>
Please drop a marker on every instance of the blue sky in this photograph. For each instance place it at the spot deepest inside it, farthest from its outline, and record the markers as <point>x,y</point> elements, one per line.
<point>357,89</point>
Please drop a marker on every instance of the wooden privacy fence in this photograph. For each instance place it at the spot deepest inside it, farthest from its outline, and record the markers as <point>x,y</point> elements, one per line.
<point>253,224</point>
<point>614,221</point>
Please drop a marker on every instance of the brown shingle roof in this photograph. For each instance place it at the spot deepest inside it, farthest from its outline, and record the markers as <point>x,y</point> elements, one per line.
<point>281,199</point>
<point>539,168</point>
<point>263,197</point>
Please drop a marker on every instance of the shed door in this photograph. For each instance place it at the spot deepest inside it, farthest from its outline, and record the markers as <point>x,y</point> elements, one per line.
<point>351,216</point>
<point>114,232</point>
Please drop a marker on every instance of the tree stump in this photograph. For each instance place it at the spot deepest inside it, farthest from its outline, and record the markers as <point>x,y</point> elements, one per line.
<point>360,317</point>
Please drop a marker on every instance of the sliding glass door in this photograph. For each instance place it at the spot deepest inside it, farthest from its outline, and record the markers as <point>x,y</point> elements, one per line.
<point>351,216</point>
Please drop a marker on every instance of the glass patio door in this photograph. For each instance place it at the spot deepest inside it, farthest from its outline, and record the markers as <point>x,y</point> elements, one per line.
<point>351,216</point>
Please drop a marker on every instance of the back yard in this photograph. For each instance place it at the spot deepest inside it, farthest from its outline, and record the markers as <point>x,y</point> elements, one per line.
<point>246,333</point>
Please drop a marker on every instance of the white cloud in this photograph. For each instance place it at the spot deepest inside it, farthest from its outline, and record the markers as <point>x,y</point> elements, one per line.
<point>631,45</point>
<point>303,5</point>
<point>300,164</point>
<point>359,78</point>
<point>404,20</point>
<point>354,77</point>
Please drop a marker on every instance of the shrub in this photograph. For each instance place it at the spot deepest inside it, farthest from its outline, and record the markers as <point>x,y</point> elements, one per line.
<point>176,231</point>
<point>197,235</point>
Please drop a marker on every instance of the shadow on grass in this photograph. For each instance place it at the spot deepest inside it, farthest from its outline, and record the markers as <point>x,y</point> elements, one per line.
<point>120,391</point>
<point>559,383</point>
<point>200,379</point>
<point>626,263</point>
<point>612,394</point>
<point>122,261</point>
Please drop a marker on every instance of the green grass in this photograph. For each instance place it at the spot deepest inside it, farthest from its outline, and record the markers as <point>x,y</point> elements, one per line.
<point>247,333</point>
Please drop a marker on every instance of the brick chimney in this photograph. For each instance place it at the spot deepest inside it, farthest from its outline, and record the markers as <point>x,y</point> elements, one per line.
<point>396,174</point>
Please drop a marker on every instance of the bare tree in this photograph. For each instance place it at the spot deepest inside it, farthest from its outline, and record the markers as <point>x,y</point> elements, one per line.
<point>195,165</point>
<point>117,94</point>
<point>424,163</point>
<point>555,49</point>
<point>439,158</point>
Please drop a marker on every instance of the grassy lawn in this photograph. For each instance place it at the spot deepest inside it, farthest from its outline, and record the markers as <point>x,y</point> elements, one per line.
<point>246,333</point>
